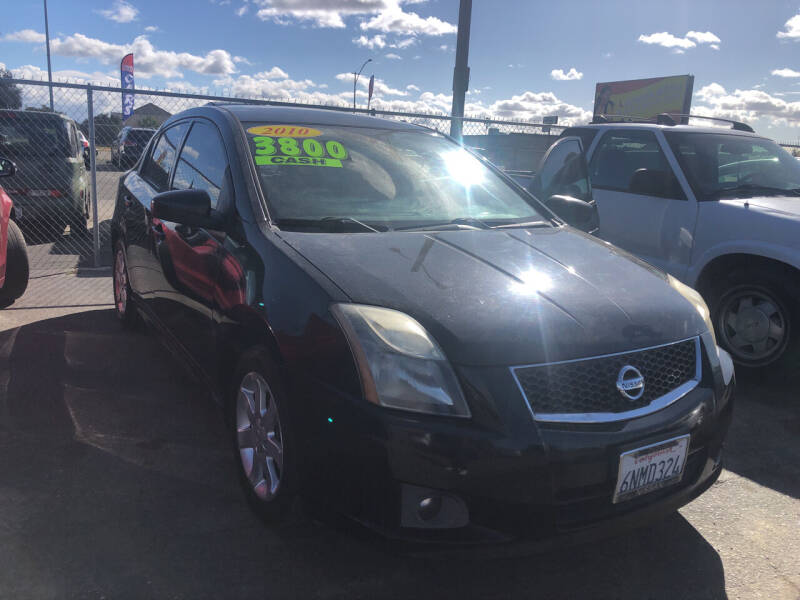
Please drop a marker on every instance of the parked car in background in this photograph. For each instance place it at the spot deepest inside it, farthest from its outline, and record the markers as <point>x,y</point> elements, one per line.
<point>717,208</point>
<point>127,147</point>
<point>87,159</point>
<point>51,188</point>
<point>14,266</point>
<point>397,329</point>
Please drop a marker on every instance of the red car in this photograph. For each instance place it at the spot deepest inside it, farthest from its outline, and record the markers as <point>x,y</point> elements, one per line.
<point>13,252</point>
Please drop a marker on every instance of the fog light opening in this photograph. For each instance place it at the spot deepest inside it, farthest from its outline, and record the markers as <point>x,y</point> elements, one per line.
<point>429,507</point>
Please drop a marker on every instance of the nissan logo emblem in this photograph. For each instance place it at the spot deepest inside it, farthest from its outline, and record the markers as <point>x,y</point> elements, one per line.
<point>630,382</point>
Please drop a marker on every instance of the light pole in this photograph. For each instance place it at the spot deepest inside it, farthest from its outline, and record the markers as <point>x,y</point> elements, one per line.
<point>49,70</point>
<point>461,71</point>
<point>355,80</point>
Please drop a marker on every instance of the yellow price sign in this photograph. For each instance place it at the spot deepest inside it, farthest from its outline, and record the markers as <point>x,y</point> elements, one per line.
<point>290,131</point>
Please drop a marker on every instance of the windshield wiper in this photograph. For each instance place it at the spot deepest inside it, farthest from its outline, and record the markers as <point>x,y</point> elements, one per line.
<point>460,221</point>
<point>524,224</point>
<point>752,187</point>
<point>324,221</point>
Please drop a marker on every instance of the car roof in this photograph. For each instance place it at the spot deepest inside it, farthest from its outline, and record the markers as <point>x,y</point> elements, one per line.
<point>682,128</point>
<point>37,114</point>
<point>310,116</point>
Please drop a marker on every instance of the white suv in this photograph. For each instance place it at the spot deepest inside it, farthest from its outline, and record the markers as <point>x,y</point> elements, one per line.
<point>717,208</point>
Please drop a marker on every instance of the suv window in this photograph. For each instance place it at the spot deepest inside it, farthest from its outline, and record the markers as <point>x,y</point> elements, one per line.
<point>159,162</point>
<point>632,161</point>
<point>720,165</point>
<point>74,144</point>
<point>202,162</point>
<point>587,135</point>
<point>563,171</point>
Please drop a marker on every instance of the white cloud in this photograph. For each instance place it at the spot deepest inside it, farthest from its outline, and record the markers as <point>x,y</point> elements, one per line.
<point>121,12</point>
<point>667,40</point>
<point>571,75</point>
<point>240,12</point>
<point>404,43</point>
<point>395,20</point>
<point>151,28</point>
<point>149,61</point>
<point>681,44</point>
<point>376,41</point>
<point>534,105</point>
<point>786,73</point>
<point>393,56</point>
<point>380,85</point>
<point>386,16</point>
<point>241,60</point>
<point>608,54</point>
<point>746,105</point>
<point>703,37</point>
<point>444,47</point>
<point>25,35</point>
<point>412,88</point>
<point>791,29</point>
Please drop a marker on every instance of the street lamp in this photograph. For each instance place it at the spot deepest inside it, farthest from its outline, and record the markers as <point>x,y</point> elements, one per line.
<point>355,80</point>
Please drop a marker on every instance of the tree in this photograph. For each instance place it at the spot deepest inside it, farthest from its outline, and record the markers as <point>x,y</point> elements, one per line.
<point>149,123</point>
<point>42,108</point>
<point>10,93</point>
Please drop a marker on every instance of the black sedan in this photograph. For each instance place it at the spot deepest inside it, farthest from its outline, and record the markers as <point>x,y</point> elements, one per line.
<point>401,332</point>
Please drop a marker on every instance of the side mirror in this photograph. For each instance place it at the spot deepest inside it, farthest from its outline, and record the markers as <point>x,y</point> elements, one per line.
<point>186,207</point>
<point>581,215</point>
<point>7,168</point>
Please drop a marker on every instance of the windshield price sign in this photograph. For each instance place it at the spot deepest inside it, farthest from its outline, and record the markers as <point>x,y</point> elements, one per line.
<point>287,150</point>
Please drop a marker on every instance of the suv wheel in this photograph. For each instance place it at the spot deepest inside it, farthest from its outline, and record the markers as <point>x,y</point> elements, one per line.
<point>755,320</point>
<point>262,436</point>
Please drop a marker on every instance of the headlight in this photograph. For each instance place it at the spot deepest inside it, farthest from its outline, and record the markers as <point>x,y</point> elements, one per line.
<point>400,364</point>
<point>697,301</point>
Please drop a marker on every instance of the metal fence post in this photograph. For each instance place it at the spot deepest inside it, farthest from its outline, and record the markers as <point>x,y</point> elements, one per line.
<point>93,170</point>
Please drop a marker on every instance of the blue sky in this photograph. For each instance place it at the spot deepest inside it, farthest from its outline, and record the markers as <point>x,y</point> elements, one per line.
<point>527,59</point>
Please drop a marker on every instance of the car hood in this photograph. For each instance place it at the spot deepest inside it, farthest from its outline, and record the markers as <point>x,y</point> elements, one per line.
<point>780,206</point>
<point>508,297</point>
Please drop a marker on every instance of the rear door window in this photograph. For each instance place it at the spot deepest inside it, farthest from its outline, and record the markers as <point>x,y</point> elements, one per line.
<point>632,161</point>
<point>159,163</point>
<point>202,162</point>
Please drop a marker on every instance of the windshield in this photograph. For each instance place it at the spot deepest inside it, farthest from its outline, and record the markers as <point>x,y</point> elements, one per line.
<point>378,177</point>
<point>728,165</point>
<point>31,134</point>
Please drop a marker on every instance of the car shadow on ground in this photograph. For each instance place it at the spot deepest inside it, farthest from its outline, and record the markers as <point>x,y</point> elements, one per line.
<point>764,440</point>
<point>117,481</point>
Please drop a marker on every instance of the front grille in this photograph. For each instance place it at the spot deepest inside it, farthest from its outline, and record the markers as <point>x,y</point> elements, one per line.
<point>589,386</point>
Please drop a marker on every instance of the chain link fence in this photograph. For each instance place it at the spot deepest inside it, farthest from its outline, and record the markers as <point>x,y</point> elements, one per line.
<point>69,161</point>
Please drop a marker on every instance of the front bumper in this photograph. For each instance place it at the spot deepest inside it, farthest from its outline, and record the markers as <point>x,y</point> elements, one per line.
<point>509,479</point>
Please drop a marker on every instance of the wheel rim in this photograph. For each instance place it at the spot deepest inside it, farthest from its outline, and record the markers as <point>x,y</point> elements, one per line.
<point>259,436</point>
<point>120,283</point>
<point>753,326</point>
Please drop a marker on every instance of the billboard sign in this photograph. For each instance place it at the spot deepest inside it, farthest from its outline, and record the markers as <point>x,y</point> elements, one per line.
<point>126,81</point>
<point>644,98</point>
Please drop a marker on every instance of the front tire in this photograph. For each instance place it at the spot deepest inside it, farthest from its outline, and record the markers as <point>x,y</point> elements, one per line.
<point>17,266</point>
<point>755,319</point>
<point>263,437</point>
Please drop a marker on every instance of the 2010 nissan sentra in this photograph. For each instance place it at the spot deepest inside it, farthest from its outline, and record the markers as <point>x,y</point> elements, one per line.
<point>400,331</point>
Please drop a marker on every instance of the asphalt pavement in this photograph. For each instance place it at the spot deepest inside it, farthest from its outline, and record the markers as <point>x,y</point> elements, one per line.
<point>116,481</point>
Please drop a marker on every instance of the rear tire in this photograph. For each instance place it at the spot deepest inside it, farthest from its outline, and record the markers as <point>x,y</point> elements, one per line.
<point>755,318</point>
<point>17,267</point>
<point>123,302</point>
<point>77,223</point>
<point>262,437</point>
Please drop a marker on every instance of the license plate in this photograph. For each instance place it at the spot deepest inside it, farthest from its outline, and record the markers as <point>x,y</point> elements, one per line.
<point>650,468</point>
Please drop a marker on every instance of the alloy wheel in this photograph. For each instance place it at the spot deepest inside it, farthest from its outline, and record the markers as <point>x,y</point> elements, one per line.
<point>753,326</point>
<point>120,283</point>
<point>259,437</point>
